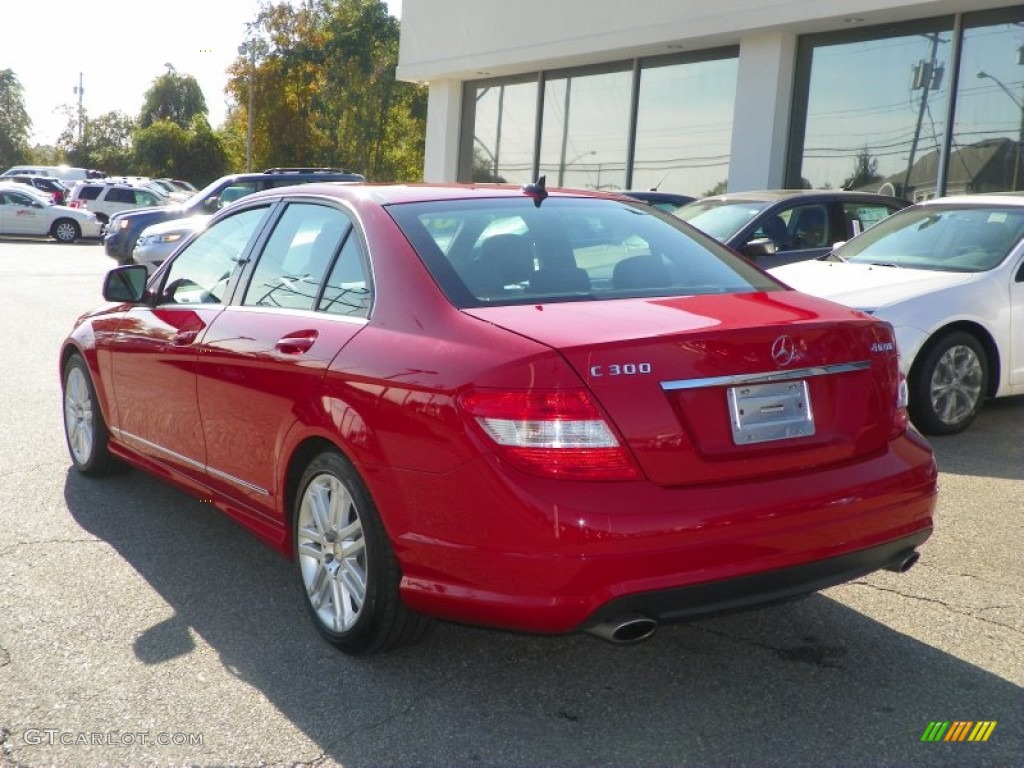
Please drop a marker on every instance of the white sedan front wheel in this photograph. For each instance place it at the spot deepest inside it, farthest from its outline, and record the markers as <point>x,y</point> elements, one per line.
<point>949,384</point>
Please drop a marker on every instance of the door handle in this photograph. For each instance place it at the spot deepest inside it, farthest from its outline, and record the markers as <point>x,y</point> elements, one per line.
<point>296,343</point>
<point>184,338</point>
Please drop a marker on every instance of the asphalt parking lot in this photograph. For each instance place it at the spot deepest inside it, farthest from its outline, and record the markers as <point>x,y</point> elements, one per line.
<point>139,627</point>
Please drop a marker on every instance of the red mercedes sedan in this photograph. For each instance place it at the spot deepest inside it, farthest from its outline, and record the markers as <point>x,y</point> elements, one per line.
<point>531,409</point>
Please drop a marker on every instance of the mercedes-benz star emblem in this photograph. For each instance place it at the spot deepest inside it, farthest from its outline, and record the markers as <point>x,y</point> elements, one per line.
<point>783,350</point>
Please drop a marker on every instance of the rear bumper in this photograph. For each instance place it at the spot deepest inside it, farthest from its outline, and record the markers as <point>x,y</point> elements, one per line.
<point>486,545</point>
<point>760,588</point>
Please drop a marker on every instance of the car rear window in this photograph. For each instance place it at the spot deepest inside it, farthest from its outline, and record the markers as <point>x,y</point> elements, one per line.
<point>511,251</point>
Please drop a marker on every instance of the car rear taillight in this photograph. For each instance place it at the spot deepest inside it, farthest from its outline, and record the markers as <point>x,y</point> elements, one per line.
<point>552,433</point>
<point>76,204</point>
<point>901,419</point>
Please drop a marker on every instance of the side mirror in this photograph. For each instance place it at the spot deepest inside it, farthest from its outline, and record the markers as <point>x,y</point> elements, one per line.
<point>126,283</point>
<point>760,246</point>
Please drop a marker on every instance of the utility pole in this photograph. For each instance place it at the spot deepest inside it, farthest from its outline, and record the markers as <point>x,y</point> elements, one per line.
<point>79,89</point>
<point>927,77</point>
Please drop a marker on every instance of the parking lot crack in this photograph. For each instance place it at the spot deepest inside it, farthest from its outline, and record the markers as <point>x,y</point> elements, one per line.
<point>15,546</point>
<point>947,606</point>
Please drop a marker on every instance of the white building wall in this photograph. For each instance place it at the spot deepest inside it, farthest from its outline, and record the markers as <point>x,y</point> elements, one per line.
<point>447,42</point>
<point>764,94</point>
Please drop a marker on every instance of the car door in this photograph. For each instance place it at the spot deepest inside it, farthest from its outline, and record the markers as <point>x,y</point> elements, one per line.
<point>153,353</point>
<point>800,231</point>
<point>263,360</point>
<point>26,215</point>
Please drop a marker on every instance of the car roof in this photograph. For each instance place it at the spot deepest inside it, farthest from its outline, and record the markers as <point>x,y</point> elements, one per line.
<point>986,198</point>
<point>386,194</point>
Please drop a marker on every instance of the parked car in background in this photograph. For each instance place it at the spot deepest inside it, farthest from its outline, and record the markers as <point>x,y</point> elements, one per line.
<point>66,173</point>
<point>669,202</point>
<point>949,275</point>
<point>48,185</point>
<point>26,211</point>
<point>124,229</point>
<point>439,402</point>
<point>775,227</point>
<point>158,242</point>
<point>105,198</point>
<point>173,191</point>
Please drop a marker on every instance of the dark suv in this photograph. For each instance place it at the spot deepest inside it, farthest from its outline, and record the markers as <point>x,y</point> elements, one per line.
<point>124,228</point>
<point>46,184</point>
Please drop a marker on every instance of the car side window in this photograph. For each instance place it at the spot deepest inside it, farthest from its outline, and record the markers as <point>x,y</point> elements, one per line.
<point>862,216</point>
<point>200,273</point>
<point>144,198</point>
<point>809,226</point>
<point>296,257</point>
<point>348,290</point>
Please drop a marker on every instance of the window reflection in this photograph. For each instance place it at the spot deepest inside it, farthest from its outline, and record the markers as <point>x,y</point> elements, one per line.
<point>989,125</point>
<point>586,130</point>
<point>506,116</point>
<point>684,126</point>
<point>875,112</point>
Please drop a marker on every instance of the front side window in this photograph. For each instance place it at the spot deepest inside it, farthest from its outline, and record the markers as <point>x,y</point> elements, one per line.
<point>509,251</point>
<point>201,272</point>
<point>296,257</point>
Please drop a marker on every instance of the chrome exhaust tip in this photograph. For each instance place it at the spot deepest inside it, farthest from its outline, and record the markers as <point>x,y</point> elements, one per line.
<point>625,630</point>
<point>904,561</point>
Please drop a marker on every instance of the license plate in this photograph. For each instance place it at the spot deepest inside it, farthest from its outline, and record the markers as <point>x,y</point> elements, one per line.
<point>773,411</point>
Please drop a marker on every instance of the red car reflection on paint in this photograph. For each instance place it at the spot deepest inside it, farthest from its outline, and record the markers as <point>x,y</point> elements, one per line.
<point>533,410</point>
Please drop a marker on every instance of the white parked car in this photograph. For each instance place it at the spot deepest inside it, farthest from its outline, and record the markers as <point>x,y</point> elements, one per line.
<point>25,211</point>
<point>157,242</point>
<point>949,275</point>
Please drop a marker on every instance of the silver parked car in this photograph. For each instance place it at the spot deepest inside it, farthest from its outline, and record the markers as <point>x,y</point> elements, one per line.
<point>159,241</point>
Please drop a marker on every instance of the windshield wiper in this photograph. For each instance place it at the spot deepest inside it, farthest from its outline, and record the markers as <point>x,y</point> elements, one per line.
<point>884,264</point>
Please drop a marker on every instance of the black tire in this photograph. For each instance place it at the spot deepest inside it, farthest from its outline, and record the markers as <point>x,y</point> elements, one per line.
<point>350,581</point>
<point>948,384</point>
<point>85,431</point>
<point>65,231</point>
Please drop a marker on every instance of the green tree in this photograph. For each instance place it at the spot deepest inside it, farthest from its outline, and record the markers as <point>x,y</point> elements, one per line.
<point>158,147</point>
<point>865,171</point>
<point>195,153</point>
<point>325,92</point>
<point>174,97</point>
<point>719,189</point>
<point>15,124</point>
<point>106,142</point>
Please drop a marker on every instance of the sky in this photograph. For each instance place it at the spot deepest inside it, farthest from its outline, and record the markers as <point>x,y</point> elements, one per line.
<point>119,47</point>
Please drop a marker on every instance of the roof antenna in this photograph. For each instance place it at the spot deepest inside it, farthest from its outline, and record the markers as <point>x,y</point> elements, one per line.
<point>537,190</point>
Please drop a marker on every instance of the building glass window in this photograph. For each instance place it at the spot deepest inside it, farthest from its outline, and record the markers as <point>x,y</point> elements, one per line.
<point>988,129</point>
<point>503,132</point>
<point>871,109</point>
<point>670,115</point>
<point>684,125</point>
<point>585,139</point>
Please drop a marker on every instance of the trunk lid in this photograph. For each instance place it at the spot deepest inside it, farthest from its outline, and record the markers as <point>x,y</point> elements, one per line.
<point>707,389</point>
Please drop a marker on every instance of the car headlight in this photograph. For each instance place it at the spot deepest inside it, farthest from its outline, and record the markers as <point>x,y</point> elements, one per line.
<point>171,237</point>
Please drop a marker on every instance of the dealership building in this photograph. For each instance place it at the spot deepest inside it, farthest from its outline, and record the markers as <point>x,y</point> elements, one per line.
<point>914,98</point>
